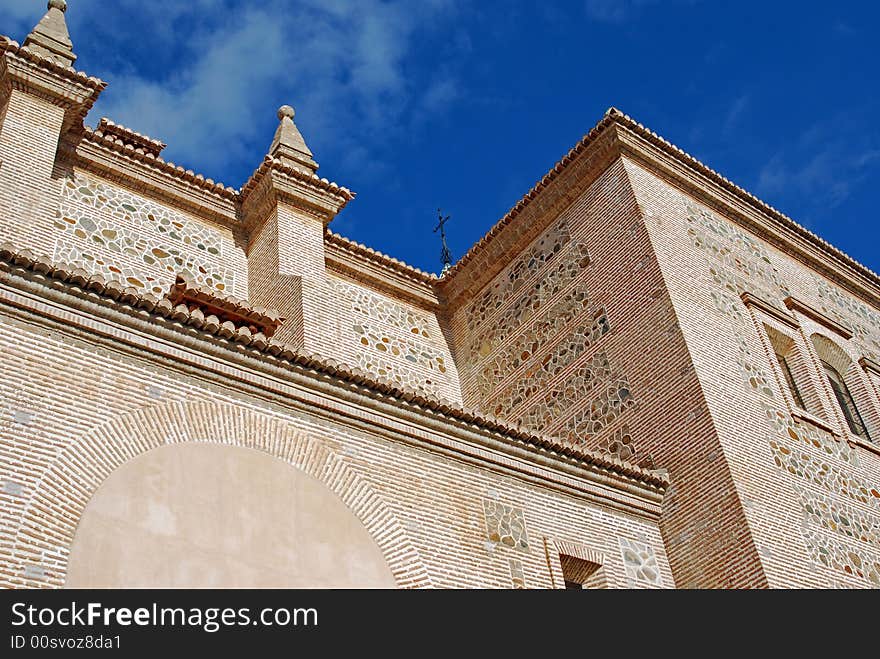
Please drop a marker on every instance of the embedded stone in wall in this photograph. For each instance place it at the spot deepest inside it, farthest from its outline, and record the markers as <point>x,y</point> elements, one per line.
<point>517,577</point>
<point>543,251</point>
<point>743,261</point>
<point>800,463</point>
<point>385,368</point>
<point>107,230</point>
<point>619,444</point>
<point>839,517</point>
<point>844,558</point>
<point>12,488</point>
<point>531,302</point>
<point>753,373</point>
<point>833,530</point>
<point>394,347</point>
<point>386,312</point>
<point>810,436</point>
<point>35,572</point>
<point>729,305</point>
<point>864,321</point>
<point>566,395</point>
<point>505,525</point>
<point>640,561</point>
<point>393,341</point>
<point>614,398</point>
<point>542,363</point>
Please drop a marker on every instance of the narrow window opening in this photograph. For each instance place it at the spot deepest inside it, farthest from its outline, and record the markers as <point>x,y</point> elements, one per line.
<point>847,403</point>
<point>581,574</point>
<point>789,379</point>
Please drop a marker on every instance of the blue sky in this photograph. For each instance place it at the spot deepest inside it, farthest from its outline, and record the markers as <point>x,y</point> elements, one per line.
<point>415,104</point>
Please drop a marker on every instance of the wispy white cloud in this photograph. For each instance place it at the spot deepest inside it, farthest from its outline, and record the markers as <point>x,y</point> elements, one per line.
<point>620,11</point>
<point>735,112</point>
<point>17,17</point>
<point>341,63</point>
<point>826,165</point>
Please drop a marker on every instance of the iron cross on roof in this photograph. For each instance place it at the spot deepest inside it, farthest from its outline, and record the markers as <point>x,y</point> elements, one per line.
<point>445,254</point>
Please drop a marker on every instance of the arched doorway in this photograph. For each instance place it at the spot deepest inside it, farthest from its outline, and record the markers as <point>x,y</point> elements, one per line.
<point>217,515</point>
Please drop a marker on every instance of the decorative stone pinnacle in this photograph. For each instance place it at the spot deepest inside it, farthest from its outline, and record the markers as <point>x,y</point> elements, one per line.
<point>50,37</point>
<point>289,146</point>
<point>286,111</point>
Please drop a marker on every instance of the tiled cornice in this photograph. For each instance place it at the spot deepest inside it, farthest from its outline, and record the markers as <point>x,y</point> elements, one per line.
<point>619,135</point>
<point>365,264</point>
<point>11,47</point>
<point>204,302</point>
<point>274,180</point>
<point>150,310</point>
<point>173,184</point>
<point>22,68</point>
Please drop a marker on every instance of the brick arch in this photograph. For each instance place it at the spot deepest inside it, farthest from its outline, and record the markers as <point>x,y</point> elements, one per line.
<point>854,377</point>
<point>50,520</point>
<point>829,351</point>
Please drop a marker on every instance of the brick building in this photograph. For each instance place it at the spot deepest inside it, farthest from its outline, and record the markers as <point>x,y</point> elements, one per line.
<point>642,376</point>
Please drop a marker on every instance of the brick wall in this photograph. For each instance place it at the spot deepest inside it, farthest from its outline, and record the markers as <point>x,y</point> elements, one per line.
<point>29,183</point>
<point>641,399</point>
<point>620,314</point>
<point>108,229</point>
<point>810,497</point>
<point>76,409</point>
<point>391,338</point>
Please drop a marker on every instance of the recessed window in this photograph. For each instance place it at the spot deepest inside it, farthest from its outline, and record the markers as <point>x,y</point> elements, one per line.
<point>846,401</point>
<point>789,380</point>
<point>581,574</point>
<point>793,372</point>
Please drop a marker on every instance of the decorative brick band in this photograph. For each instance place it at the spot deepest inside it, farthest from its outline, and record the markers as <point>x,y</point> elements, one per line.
<point>42,545</point>
<point>274,351</point>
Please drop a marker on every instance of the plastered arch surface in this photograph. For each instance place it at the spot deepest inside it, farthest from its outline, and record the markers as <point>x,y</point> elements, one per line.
<point>42,548</point>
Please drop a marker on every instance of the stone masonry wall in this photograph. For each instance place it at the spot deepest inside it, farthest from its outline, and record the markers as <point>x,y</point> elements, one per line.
<point>632,391</point>
<point>71,409</point>
<point>812,498</point>
<point>530,345</point>
<point>122,235</point>
<point>389,338</point>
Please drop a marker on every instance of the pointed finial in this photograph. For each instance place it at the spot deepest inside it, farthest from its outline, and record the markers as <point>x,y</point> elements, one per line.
<point>50,37</point>
<point>289,145</point>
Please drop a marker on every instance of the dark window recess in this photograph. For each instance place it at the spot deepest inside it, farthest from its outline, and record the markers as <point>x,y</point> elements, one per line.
<point>580,574</point>
<point>789,378</point>
<point>847,404</point>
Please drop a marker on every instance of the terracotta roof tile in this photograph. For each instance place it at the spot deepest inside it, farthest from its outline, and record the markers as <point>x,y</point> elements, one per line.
<point>187,293</point>
<point>612,116</point>
<point>270,348</point>
<point>125,137</point>
<point>310,178</point>
<point>377,256</point>
<point>150,157</point>
<point>12,46</point>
